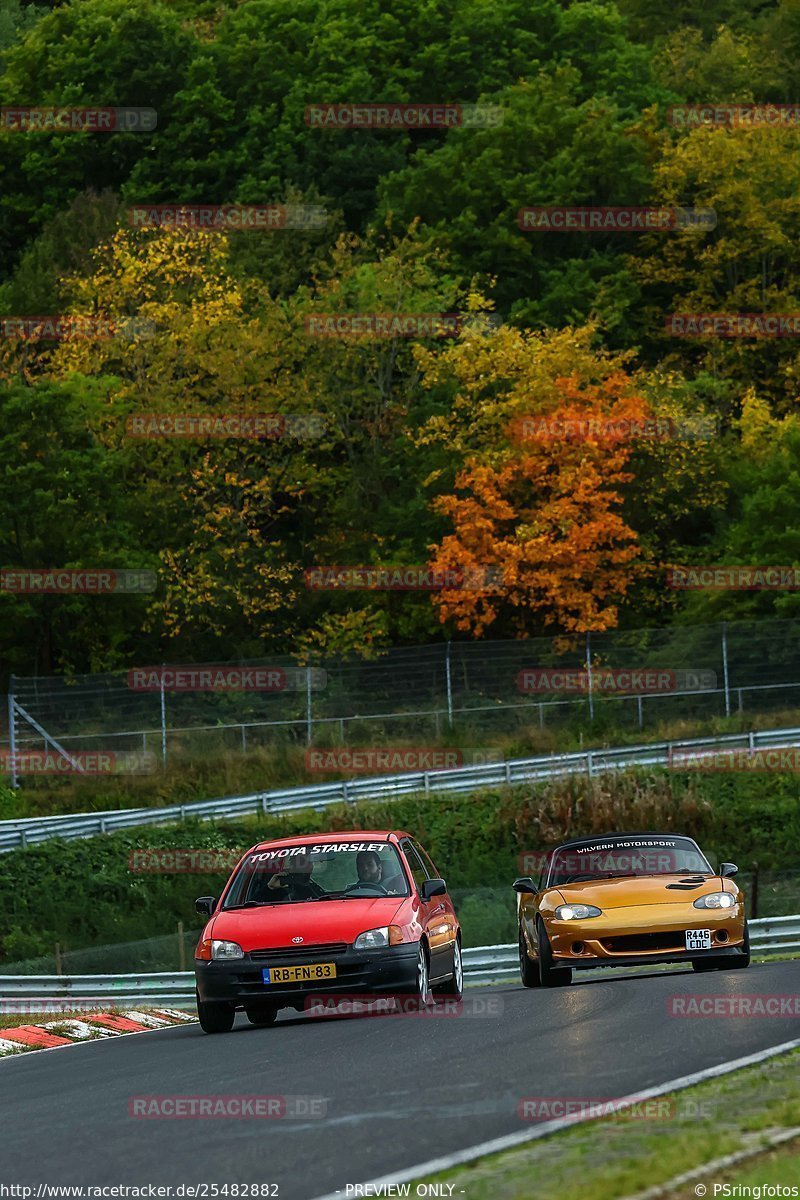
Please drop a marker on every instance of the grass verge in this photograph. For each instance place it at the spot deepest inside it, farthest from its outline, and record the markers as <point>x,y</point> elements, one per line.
<point>622,1156</point>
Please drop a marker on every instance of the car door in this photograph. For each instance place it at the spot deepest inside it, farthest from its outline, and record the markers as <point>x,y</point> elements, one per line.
<point>436,915</point>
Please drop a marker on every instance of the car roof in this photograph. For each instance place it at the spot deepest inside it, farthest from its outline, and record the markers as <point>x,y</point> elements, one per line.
<point>590,839</point>
<point>343,835</point>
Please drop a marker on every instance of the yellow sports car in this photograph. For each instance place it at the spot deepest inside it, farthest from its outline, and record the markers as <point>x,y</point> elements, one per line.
<point>625,900</point>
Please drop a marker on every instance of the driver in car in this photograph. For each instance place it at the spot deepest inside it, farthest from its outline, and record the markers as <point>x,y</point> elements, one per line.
<point>368,866</point>
<point>370,870</point>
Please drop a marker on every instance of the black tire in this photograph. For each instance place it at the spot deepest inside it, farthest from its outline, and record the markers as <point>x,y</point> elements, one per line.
<point>550,976</point>
<point>528,970</point>
<point>215,1018</point>
<point>263,1015</point>
<point>739,964</point>
<point>453,988</point>
<point>420,995</point>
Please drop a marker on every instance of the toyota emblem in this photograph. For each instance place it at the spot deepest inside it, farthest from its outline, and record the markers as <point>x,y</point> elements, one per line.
<point>297,939</point>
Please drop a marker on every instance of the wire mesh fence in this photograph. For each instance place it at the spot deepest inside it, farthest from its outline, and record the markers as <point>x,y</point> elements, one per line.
<point>619,679</point>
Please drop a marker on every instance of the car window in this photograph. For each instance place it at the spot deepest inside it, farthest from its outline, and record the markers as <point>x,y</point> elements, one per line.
<point>596,859</point>
<point>311,871</point>
<point>426,861</point>
<point>415,864</point>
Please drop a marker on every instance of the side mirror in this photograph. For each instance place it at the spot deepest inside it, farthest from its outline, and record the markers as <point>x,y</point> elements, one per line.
<point>433,887</point>
<point>205,905</point>
<point>525,886</point>
<point>728,869</point>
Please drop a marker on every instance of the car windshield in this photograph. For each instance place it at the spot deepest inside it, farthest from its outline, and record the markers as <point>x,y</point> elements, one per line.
<point>614,859</point>
<point>317,871</point>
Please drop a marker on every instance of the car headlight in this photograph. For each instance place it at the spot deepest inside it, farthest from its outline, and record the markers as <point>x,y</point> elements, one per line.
<point>576,912</point>
<point>376,939</point>
<point>716,900</point>
<point>226,950</point>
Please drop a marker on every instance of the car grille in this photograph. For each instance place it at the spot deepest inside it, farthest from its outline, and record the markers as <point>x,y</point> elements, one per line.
<point>300,954</point>
<point>645,942</point>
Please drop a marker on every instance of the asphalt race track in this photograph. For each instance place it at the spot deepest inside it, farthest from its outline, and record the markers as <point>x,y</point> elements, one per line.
<point>399,1090</point>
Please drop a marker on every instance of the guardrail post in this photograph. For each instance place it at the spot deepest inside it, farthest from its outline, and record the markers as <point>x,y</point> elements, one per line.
<point>308,706</point>
<point>589,674</point>
<point>754,891</point>
<point>725,669</point>
<point>12,732</point>
<point>589,764</point>
<point>449,680</point>
<point>640,707</point>
<point>163,721</point>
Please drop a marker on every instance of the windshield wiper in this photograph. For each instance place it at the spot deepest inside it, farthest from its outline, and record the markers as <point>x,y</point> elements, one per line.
<point>251,904</point>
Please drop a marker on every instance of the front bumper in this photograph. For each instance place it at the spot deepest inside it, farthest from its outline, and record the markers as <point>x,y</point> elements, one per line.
<point>645,935</point>
<point>638,960</point>
<point>240,982</point>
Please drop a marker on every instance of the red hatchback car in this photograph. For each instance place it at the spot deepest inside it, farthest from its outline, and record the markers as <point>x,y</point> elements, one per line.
<point>329,913</point>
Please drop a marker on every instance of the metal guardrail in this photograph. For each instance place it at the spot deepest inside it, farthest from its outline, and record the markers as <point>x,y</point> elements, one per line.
<point>482,964</point>
<point>30,831</point>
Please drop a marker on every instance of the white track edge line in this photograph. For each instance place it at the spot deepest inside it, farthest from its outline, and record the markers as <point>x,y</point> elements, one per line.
<point>510,1140</point>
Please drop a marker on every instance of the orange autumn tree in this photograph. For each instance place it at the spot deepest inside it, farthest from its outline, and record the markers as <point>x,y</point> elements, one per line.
<point>545,515</point>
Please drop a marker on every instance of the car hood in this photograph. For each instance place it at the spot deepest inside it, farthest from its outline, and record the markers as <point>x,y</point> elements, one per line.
<point>622,893</point>
<point>316,922</point>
